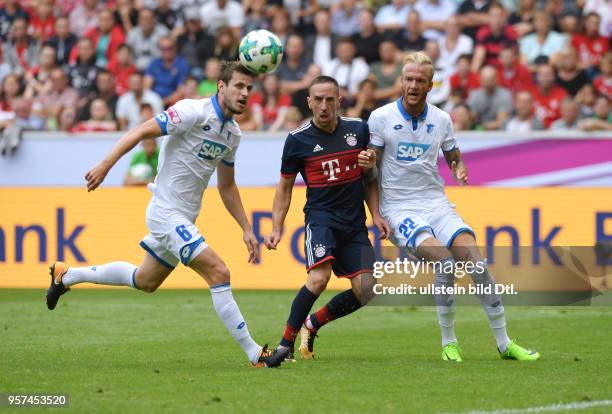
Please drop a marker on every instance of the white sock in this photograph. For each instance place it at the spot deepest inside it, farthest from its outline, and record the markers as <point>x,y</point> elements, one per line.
<point>493,307</point>
<point>445,303</point>
<point>227,309</point>
<point>115,274</point>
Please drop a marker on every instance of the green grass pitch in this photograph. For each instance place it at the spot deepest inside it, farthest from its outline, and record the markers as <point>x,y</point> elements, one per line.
<point>129,352</point>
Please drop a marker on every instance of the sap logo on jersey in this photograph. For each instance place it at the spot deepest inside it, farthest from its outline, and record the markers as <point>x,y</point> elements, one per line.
<point>409,151</point>
<point>211,150</point>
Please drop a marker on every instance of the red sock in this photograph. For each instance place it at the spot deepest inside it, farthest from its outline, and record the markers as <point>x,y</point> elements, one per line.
<point>321,317</point>
<point>289,335</point>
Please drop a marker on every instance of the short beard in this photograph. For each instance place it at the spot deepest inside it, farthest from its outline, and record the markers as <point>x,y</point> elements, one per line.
<point>231,107</point>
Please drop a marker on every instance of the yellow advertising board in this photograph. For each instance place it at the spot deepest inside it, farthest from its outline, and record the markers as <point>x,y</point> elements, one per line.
<point>41,225</point>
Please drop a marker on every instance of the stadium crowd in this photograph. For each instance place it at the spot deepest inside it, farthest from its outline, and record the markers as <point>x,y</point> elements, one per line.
<point>515,65</point>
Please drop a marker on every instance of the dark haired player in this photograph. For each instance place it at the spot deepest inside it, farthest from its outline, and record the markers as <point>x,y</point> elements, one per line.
<point>201,137</point>
<point>331,154</point>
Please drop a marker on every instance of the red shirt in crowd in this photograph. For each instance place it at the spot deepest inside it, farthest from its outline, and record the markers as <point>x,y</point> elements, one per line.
<point>117,38</point>
<point>121,75</point>
<point>494,44</point>
<point>548,107</point>
<point>466,84</point>
<point>590,50</point>
<point>517,80</point>
<point>603,86</point>
<point>269,114</point>
<point>41,29</point>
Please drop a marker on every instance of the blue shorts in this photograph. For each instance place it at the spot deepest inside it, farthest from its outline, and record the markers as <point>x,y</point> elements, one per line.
<point>350,250</point>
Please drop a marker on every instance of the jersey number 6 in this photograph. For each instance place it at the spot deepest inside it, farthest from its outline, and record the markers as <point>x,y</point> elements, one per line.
<point>183,232</point>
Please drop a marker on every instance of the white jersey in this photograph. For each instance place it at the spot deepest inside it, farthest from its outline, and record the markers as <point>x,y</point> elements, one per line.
<point>199,137</point>
<point>408,175</point>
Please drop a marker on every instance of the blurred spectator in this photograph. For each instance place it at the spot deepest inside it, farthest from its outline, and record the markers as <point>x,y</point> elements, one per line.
<point>602,118</point>
<point>345,19</point>
<point>604,9</point>
<point>9,11</point>
<point>386,73</point>
<point>411,37</point>
<point>188,89</point>
<point>435,15</point>
<point>128,105</point>
<point>38,77</point>
<point>42,22</point>
<point>281,25</point>
<point>511,73</point>
<point>143,165</point>
<point>195,45</point>
<point>256,17</point>
<point>570,115</point>
<point>165,74</point>
<point>122,68</point>
<point>63,41</point>
<point>569,26</point>
<point>293,119</point>
<point>473,14</point>
<point>367,39</point>
<point>296,73</point>
<point>491,104</point>
<point>322,44</point>
<point>454,99</point>
<point>569,75</point>
<point>454,44</point>
<point>226,44</point>
<point>208,85</point>
<point>522,18</point>
<point>301,14</point>
<point>83,71</point>
<point>556,9</point>
<point>20,52</point>
<point>589,44</point>
<point>347,69</point>
<point>99,121</point>
<point>299,98</point>
<point>67,119</point>
<point>462,117</point>
<point>125,15</point>
<point>440,89</point>
<point>144,38</point>
<point>392,17</point>
<point>215,14</point>
<point>464,79</point>
<point>603,83</point>
<point>84,16</point>
<point>543,42</point>
<point>12,88</point>
<point>524,119</point>
<point>491,39</point>
<point>24,118</point>
<point>270,105</point>
<point>59,96</point>
<point>548,96</point>
<point>585,98</point>
<point>106,38</point>
<point>105,90</point>
<point>165,15</point>
<point>365,103</point>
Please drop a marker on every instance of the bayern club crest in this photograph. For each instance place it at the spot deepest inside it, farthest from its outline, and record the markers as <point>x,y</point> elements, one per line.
<point>351,139</point>
<point>319,250</point>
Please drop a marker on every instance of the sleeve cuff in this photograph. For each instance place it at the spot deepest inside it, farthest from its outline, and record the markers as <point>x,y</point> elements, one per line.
<point>229,164</point>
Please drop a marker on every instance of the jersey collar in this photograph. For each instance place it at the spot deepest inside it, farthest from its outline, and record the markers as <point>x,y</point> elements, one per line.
<point>219,112</point>
<point>408,117</point>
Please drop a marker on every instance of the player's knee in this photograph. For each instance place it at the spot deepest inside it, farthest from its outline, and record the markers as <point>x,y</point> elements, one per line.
<point>317,283</point>
<point>148,286</point>
<point>219,274</point>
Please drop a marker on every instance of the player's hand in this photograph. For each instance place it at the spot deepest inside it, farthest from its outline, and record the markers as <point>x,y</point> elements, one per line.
<point>272,240</point>
<point>96,175</point>
<point>384,230</point>
<point>367,158</point>
<point>460,172</point>
<point>252,245</point>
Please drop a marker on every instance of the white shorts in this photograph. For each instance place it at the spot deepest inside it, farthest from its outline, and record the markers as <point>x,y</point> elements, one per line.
<point>443,223</point>
<point>172,238</point>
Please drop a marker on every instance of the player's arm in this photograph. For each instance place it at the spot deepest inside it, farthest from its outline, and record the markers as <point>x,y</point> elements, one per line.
<point>280,207</point>
<point>372,200</point>
<point>228,190</point>
<point>146,130</point>
<point>456,165</point>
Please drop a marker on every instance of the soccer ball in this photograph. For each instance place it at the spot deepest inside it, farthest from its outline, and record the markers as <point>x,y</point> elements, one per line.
<point>260,51</point>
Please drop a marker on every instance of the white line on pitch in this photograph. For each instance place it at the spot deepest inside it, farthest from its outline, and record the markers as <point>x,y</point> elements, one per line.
<point>546,409</point>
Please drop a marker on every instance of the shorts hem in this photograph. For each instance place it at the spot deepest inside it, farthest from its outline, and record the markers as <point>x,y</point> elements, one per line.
<point>155,256</point>
<point>458,232</point>
<point>325,259</point>
<point>357,273</point>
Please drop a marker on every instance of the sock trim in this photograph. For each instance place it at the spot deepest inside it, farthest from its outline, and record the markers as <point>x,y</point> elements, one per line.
<point>134,279</point>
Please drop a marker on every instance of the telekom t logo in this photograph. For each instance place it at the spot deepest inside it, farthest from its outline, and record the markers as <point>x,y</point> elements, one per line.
<point>330,169</point>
